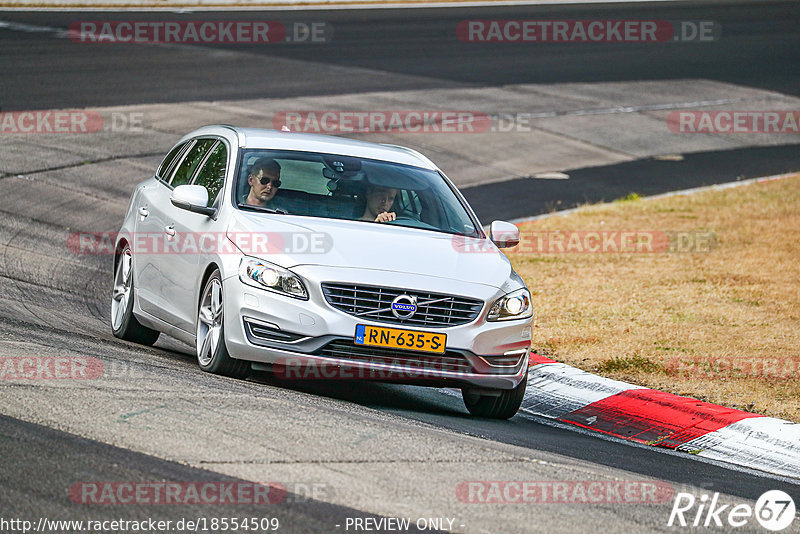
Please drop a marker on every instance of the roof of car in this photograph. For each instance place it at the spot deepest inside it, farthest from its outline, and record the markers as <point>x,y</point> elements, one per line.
<point>280,140</point>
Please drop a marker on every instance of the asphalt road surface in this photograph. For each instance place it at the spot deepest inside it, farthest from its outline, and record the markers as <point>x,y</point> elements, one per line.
<point>363,450</point>
<point>402,49</point>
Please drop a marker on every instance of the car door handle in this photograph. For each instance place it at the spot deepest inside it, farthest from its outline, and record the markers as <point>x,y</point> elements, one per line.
<point>170,230</point>
<point>143,212</point>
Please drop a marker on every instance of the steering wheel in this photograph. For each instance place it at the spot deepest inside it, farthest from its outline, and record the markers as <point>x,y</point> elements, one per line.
<point>416,223</point>
<point>406,218</point>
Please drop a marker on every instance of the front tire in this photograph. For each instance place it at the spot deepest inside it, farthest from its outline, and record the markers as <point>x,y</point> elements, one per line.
<point>502,406</point>
<point>212,354</point>
<point>123,323</point>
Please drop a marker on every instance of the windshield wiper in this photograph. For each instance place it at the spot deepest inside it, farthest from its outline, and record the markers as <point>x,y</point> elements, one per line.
<point>263,209</point>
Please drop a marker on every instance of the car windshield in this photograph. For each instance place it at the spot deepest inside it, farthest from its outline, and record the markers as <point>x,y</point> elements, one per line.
<point>345,187</point>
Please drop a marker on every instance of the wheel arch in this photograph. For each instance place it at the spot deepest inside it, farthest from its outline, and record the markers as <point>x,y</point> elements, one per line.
<point>210,268</point>
<point>121,244</point>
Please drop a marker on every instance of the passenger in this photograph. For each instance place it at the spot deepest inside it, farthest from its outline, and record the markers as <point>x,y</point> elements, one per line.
<point>379,202</point>
<point>264,179</point>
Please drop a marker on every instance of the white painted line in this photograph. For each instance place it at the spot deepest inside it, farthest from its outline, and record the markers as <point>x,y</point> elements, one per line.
<point>634,109</point>
<point>715,187</point>
<point>30,28</point>
<point>550,176</point>
<point>728,185</point>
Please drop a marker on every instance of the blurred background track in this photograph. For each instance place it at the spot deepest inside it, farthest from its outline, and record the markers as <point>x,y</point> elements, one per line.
<point>412,446</point>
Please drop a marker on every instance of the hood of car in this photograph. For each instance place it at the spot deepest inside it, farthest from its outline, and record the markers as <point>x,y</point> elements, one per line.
<point>290,241</point>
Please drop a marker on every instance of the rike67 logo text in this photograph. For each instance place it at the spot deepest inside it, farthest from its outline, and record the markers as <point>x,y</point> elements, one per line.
<point>774,510</point>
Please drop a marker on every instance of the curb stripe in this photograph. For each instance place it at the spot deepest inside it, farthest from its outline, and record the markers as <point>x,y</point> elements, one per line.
<point>536,359</point>
<point>651,417</point>
<point>556,389</point>
<point>654,417</point>
<point>764,443</point>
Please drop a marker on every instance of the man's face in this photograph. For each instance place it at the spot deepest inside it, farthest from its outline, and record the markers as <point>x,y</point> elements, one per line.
<point>264,192</point>
<point>380,199</point>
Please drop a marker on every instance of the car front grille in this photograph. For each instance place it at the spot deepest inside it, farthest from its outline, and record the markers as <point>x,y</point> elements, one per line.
<point>375,304</point>
<point>400,360</point>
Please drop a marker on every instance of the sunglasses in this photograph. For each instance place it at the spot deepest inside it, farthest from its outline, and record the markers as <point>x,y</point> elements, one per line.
<point>265,180</point>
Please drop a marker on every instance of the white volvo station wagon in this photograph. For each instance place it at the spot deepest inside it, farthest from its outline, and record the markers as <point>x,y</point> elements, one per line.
<point>322,257</point>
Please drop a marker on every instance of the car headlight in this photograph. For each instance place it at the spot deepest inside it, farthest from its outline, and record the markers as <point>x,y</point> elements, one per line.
<point>266,275</point>
<point>515,305</point>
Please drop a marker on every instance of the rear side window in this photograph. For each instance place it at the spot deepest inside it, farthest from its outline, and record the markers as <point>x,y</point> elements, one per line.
<point>169,162</point>
<point>212,173</point>
<point>190,162</point>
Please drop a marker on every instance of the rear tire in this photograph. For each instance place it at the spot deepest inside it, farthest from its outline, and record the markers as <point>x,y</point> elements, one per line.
<point>123,323</point>
<point>212,354</point>
<point>502,406</point>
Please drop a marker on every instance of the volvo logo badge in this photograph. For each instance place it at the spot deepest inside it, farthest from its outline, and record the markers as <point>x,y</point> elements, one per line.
<point>404,306</point>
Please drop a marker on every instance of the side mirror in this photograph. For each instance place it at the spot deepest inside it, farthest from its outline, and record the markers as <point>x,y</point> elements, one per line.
<point>192,198</point>
<point>504,234</point>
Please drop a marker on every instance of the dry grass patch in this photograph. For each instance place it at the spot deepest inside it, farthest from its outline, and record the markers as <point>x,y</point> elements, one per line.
<point>721,325</point>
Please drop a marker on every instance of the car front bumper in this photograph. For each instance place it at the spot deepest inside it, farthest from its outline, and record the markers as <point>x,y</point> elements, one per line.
<point>308,339</point>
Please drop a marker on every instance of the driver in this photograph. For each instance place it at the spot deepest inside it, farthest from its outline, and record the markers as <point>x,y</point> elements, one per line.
<point>379,202</point>
<point>264,179</point>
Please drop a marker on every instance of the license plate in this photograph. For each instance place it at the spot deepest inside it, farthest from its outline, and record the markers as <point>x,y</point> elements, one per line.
<point>395,338</point>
